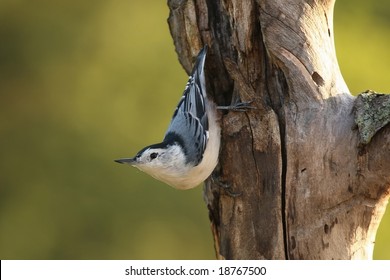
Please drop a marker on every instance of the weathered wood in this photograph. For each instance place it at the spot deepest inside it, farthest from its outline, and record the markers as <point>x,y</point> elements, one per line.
<point>309,188</point>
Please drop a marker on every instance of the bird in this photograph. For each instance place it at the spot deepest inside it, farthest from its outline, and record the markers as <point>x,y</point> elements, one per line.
<point>189,151</point>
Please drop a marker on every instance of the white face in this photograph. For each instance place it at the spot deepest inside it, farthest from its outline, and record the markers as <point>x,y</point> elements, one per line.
<point>151,157</point>
<point>161,163</point>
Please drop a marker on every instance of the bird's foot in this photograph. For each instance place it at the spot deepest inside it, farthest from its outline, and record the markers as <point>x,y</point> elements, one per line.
<point>238,107</point>
<point>225,186</point>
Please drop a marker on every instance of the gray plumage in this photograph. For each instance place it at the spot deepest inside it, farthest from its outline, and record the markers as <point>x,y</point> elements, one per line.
<point>190,121</point>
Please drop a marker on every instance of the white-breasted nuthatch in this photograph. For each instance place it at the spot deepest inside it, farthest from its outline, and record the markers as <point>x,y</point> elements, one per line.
<point>189,152</point>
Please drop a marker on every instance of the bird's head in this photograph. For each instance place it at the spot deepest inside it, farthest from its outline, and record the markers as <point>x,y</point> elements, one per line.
<point>158,160</point>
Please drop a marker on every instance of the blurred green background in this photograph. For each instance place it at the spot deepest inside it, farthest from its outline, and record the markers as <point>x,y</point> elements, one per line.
<point>85,82</point>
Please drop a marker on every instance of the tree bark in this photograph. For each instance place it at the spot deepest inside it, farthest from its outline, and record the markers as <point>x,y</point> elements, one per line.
<point>311,162</point>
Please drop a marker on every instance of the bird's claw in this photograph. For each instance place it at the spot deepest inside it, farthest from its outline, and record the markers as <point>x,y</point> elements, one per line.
<point>238,107</point>
<point>226,187</point>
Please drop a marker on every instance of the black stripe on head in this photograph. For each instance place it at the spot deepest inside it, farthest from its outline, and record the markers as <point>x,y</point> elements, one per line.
<point>161,145</point>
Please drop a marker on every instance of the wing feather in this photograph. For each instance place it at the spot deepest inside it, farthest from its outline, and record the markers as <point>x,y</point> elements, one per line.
<point>190,120</point>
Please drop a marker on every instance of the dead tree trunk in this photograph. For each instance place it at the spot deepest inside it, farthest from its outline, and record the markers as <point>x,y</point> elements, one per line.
<point>311,162</point>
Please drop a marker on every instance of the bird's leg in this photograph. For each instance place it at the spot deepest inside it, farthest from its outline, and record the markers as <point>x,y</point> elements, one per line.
<point>225,186</point>
<point>238,107</point>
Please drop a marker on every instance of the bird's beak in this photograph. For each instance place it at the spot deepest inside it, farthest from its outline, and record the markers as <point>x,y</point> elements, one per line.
<point>130,161</point>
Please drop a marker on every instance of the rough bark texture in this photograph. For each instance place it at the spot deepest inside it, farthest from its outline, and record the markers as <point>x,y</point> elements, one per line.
<point>311,161</point>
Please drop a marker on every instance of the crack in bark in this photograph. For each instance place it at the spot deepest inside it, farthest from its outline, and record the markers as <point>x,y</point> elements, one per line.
<point>246,93</point>
<point>282,129</point>
<point>253,148</point>
<point>277,102</point>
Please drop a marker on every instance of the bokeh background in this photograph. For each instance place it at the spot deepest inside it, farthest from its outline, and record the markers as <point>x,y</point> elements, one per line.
<point>85,82</point>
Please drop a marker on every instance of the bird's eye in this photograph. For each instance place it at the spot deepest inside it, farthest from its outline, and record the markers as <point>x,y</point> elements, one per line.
<point>153,155</point>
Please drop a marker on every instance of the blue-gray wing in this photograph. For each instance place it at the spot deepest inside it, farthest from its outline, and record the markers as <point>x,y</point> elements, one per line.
<point>189,125</point>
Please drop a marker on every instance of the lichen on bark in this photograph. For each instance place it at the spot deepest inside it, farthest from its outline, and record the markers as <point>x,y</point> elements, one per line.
<point>372,112</point>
